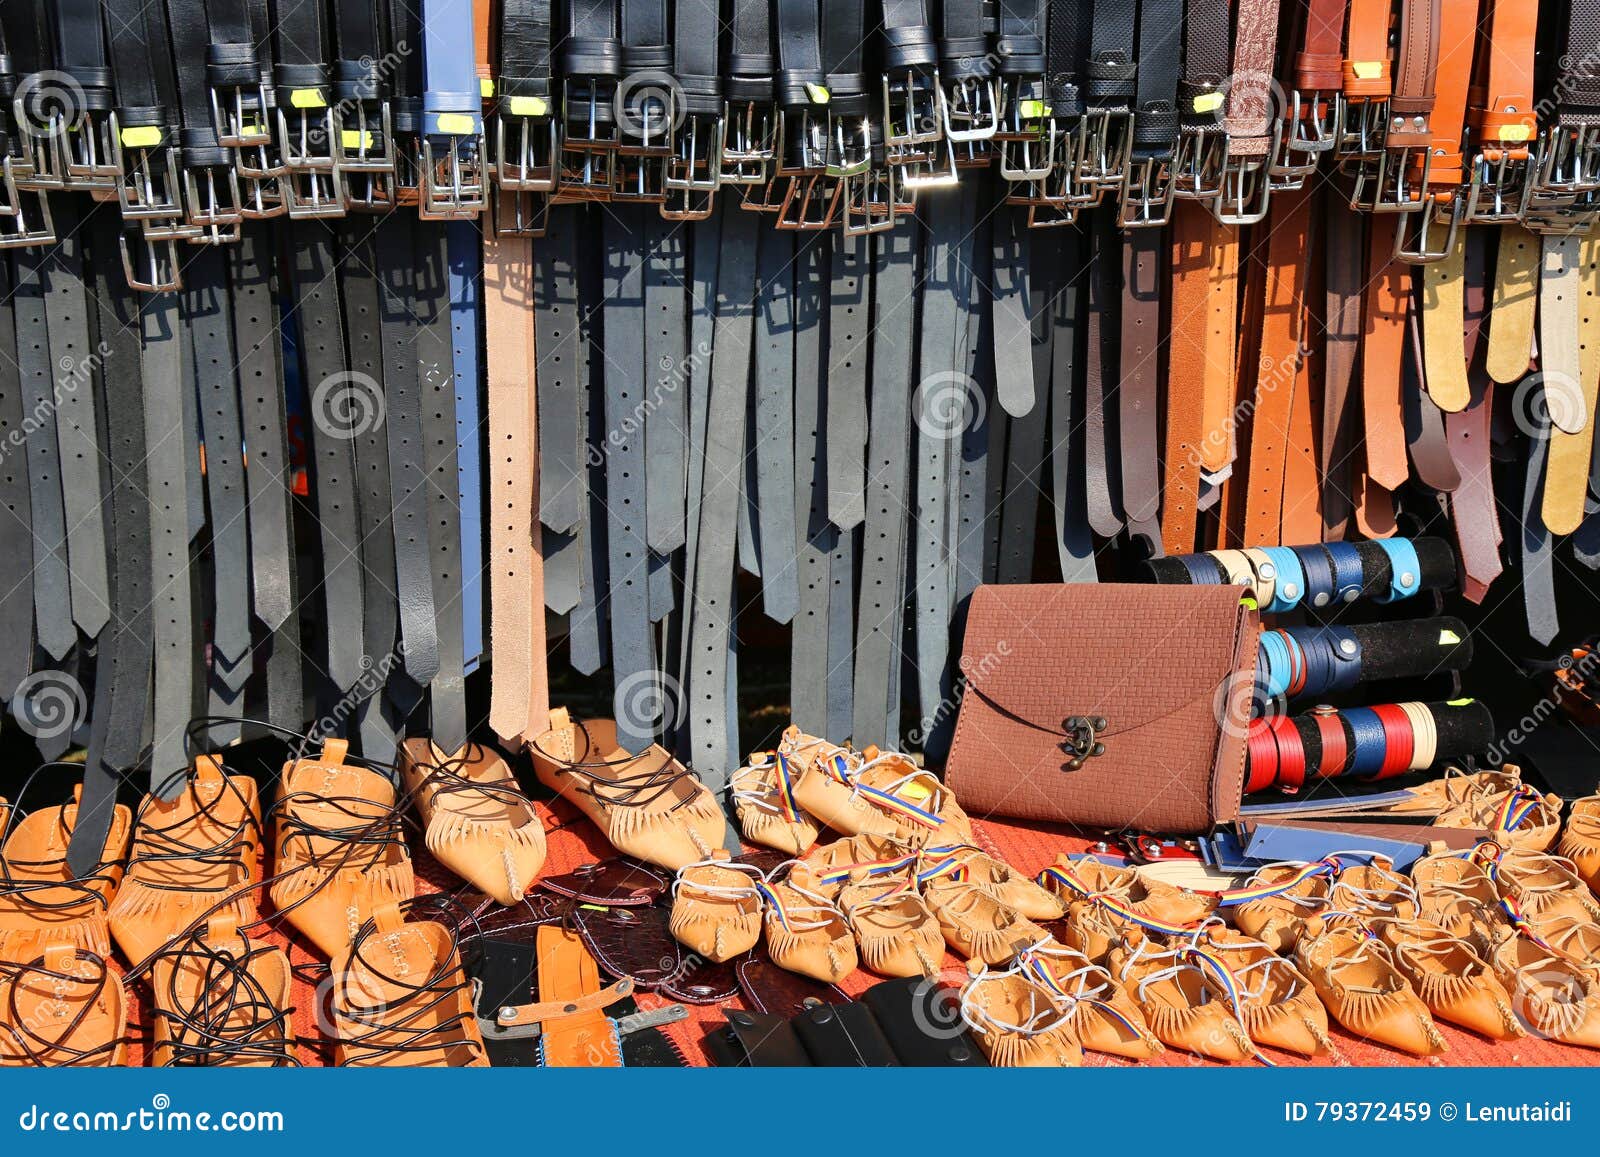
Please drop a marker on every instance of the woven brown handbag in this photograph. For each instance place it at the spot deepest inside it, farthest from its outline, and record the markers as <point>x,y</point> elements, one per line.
<point>1106,706</point>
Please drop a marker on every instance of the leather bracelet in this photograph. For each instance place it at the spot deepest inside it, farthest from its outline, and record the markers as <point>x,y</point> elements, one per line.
<point>1397,738</point>
<point>1266,574</point>
<point>1263,751</point>
<point>1405,570</point>
<point>1289,579</point>
<point>1236,566</point>
<point>1317,568</point>
<point>1276,667</point>
<point>1203,569</point>
<point>1297,663</point>
<point>1346,561</point>
<point>1368,742</point>
<point>1318,660</point>
<point>1344,655</point>
<point>1335,742</point>
<point>1291,753</point>
<point>1424,735</point>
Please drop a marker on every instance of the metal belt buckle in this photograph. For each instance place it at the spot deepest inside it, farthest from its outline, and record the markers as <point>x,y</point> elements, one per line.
<point>874,200</point>
<point>239,115</point>
<point>520,214</point>
<point>644,145</point>
<point>455,183</point>
<point>588,139</point>
<point>1500,185</point>
<point>25,217</point>
<point>970,106</point>
<point>1568,161</point>
<point>1416,233</point>
<point>1198,162</point>
<point>1108,143</point>
<point>311,183</point>
<point>1310,129</point>
<point>1245,192</point>
<point>45,166</point>
<point>1398,185</point>
<point>90,155</point>
<point>1027,137</point>
<point>148,184</point>
<point>749,144</point>
<point>694,171</point>
<point>1363,127</point>
<point>913,130</point>
<point>528,165</point>
<point>849,151</point>
<point>809,202</point>
<point>1146,200</point>
<point>213,207</point>
<point>364,153</point>
<point>159,271</point>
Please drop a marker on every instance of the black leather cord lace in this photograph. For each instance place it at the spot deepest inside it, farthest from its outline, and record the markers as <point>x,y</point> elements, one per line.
<point>636,790</point>
<point>227,1017</point>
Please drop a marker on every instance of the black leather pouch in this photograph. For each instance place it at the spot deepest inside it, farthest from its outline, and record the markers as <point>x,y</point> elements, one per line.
<point>755,1040</point>
<point>844,1036</point>
<point>920,1020</point>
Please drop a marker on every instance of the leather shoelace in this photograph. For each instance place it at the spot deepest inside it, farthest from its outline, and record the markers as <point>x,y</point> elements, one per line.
<point>229,1017</point>
<point>41,1050</point>
<point>640,789</point>
<point>177,843</point>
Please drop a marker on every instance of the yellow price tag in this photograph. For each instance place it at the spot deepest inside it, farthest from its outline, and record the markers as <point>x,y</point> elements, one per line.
<point>308,98</point>
<point>916,791</point>
<point>1460,702</point>
<point>356,139</point>
<point>529,106</point>
<point>1033,109</point>
<point>1367,69</point>
<point>1208,102</point>
<point>595,907</point>
<point>1447,637</point>
<point>145,137</point>
<point>1519,134</point>
<point>485,87</point>
<point>1249,603</point>
<point>818,93</point>
<point>457,124</point>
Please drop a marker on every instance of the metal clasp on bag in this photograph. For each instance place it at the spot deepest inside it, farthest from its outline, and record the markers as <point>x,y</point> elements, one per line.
<point>311,183</point>
<point>694,170</point>
<point>1082,740</point>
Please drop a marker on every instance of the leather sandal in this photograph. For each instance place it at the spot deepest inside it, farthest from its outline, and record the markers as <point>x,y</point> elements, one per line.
<point>1361,987</point>
<point>1284,897</point>
<point>1545,886</point>
<point>913,797</point>
<point>1373,890</point>
<point>895,933</point>
<point>858,859</point>
<point>825,786</point>
<point>1452,979</point>
<point>1517,818</point>
<point>1456,893</point>
<point>1580,842</point>
<point>65,1009</point>
<point>1103,1017</point>
<point>1553,996</point>
<point>975,925</point>
<point>222,1000</point>
<point>1277,1004</point>
<point>41,901</point>
<point>763,799</point>
<point>648,805</point>
<point>340,853</point>
<point>804,931</point>
<point>1018,1024</point>
<point>999,880</point>
<point>1180,1001</point>
<point>476,820</point>
<point>401,999</point>
<point>1453,788</point>
<point>1110,906</point>
<point>716,907</point>
<point>193,858</point>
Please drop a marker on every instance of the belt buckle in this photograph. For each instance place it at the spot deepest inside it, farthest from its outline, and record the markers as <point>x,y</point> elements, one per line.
<point>1027,136</point>
<point>749,144</point>
<point>43,166</point>
<point>913,130</point>
<point>1500,185</point>
<point>1569,160</point>
<point>588,139</point>
<point>531,166</point>
<point>1304,135</point>
<point>364,153</point>
<point>1246,191</point>
<point>1414,232</point>
<point>18,227</point>
<point>1107,146</point>
<point>148,185</point>
<point>970,108</point>
<point>849,151</point>
<point>1400,182</point>
<point>644,145</point>
<point>1198,162</point>
<point>213,209</point>
<point>1146,200</point>
<point>454,184</point>
<point>870,201</point>
<point>518,213</point>
<point>240,119</point>
<point>694,171</point>
<point>164,274</point>
<point>1363,128</point>
<point>89,155</point>
<point>310,183</point>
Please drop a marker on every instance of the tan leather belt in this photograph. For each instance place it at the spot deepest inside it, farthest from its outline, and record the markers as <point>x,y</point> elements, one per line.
<point>1501,111</point>
<point>1388,298</point>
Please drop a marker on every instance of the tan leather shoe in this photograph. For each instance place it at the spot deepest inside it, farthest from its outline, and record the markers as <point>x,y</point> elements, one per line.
<point>401,999</point>
<point>340,853</point>
<point>1276,1004</point>
<point>1457,893</point>
<point>1454,982</point>
<point>999,880</point>
<point>916,799</point>
<point>763,797</point>
<point>805,932</point>
<point>895,933</point>
<point>716,907</point>
<point>1516,818</point>
<point>1453,788</point>
<point>1102,1016</point>
<point>65,1009</point>
<point>1373,891</point>
<point>1110,906</point>
<point>1580,842</point>
<point>222,1000</point>
<point>857,859</point>
<point>476,820</point>
<point>825,786</point>
<point>193,858</point>
<point>1284,897</point>
<point>1017,1023</point>
<point>1180,1003</point>
<point>41,902</point>
<point>975,925</point>
<point>1545,885</point>
<point>1355,975</point>
<point>1553,996</point>
<point>1573,937</point>
<point>648,805</point>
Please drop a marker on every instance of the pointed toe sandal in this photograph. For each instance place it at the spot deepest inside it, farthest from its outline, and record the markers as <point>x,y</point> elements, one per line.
<point>1515,818</point>
<point>401,999</point>
<point>476,820</point>
<point>1457,893</point>
<point>769,814</point>
<point>1545,885</point>
<point>340,853</point>
<point>1275,904</point>
<point>1355,975</point>
<point>1373,890</point>
<point>1580,842</point>
<point>1452,979</point>
<point>648,805</point>
<point>1001,881</point>
<point>1102,1016</point>
<point>859,859</point>
<point>222,1000</point>
<point>41,901</point>
<point>805,932</point>
<point>825,785</point>
<point>1017,1023</point>
<point>974,924</point>
<point>1553,996</point>
<point>1109,906</point>
<point>895,933</point>
<point>1179,1002</point>
<point>716,907</point>
<point>914,798</point>
<point>1277,1005</point>
<point>193,858</point>
<point>66,1009</point>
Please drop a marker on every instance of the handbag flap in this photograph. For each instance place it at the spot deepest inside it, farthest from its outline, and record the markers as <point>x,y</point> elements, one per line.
<point>1128,653</point>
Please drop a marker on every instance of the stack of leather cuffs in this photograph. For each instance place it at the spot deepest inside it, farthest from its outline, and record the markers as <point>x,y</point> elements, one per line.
<point>1367,743</point>
<point>1322,576</point>
<point>1312,662</point>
